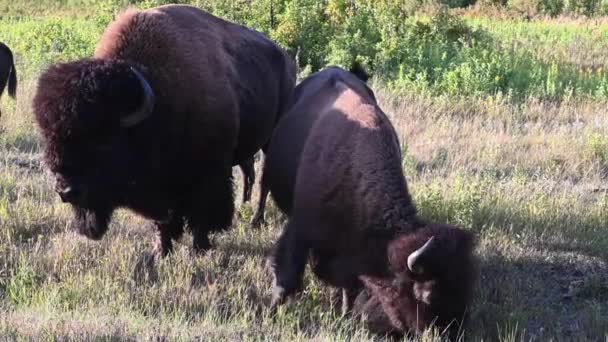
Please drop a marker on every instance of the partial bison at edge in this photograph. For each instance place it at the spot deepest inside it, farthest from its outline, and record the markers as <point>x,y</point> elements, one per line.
<point>154,122</point>
<point>334,167</point>
<point>8,72</point>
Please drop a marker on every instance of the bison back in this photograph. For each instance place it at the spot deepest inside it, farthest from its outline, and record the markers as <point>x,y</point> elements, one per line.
<point>310,100</point>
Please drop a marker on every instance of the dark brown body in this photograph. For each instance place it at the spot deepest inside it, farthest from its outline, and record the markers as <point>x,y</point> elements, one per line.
<point>292,134</point>
<point>334,167</point>
<point>217,88</point>
<point>8,73</point>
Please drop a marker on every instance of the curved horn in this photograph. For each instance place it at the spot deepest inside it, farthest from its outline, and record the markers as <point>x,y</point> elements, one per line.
<point>147,105</point>
<point>415,256</point>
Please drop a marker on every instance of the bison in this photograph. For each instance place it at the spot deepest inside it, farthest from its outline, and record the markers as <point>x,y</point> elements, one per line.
<point>172,98</point>
<point>334,167</point>
<point>8,72</point>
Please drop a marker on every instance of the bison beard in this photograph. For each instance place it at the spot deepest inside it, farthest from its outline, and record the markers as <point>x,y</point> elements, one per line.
<point>91,223</point>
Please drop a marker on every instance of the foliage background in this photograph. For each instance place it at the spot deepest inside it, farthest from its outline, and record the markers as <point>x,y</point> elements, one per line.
<point>410,44</point>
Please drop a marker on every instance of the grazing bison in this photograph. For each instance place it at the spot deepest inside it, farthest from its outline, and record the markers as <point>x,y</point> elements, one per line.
<point>8,73</point>
<point>334,167</point>
<point>154,122</point>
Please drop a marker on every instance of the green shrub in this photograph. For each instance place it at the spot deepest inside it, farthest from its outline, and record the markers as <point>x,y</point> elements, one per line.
<point>39,42</point>
<point>436,54</point>
<point>304,30</point>
<point>357,40</point>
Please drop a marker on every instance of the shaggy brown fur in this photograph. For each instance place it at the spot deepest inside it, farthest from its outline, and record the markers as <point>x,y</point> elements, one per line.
<point>8,73</point>
<point>334,166</point>
<point>284,158</point>
<point>216,89</point>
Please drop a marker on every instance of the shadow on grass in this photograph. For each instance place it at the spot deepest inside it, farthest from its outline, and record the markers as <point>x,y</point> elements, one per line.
<point>542,275</point>
<point>590,245</point>
<point>535,299</point>
<point>580,233</point>
<point>562,230</point>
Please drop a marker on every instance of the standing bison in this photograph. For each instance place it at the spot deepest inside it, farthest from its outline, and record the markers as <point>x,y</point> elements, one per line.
<point>154,122</point>
<point>8,73</point>
<point>334,167</point>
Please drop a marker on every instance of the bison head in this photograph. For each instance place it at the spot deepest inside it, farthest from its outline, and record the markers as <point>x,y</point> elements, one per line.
<point>433,273</point>
<point>85,111</point>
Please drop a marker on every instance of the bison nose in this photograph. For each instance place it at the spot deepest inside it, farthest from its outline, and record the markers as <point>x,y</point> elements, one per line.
<point>69,194</point>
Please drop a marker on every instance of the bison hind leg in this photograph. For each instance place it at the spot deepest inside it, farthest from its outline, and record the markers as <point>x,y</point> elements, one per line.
<point>258,218</point>
<point>290,257</point>
<point>248,169</point>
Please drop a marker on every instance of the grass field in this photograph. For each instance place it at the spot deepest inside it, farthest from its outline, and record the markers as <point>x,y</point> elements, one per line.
<point>528,176</point>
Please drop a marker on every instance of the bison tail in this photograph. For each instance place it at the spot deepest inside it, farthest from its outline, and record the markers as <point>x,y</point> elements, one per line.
<point>12,82</point>
<point>358,70</point>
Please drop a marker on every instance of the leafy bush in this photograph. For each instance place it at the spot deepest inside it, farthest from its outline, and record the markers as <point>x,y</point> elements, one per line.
<point>39,42</point>
<point>304,31</point>
<point>437,54</point>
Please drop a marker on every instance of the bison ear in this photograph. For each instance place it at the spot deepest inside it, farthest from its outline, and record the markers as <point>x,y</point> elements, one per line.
<point>388,296</point>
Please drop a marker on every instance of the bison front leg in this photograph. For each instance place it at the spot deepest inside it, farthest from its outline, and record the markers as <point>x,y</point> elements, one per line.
<point>212,207</point>
<point>200,242</point>
<point>167,231</point>
<point>288,264</point>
